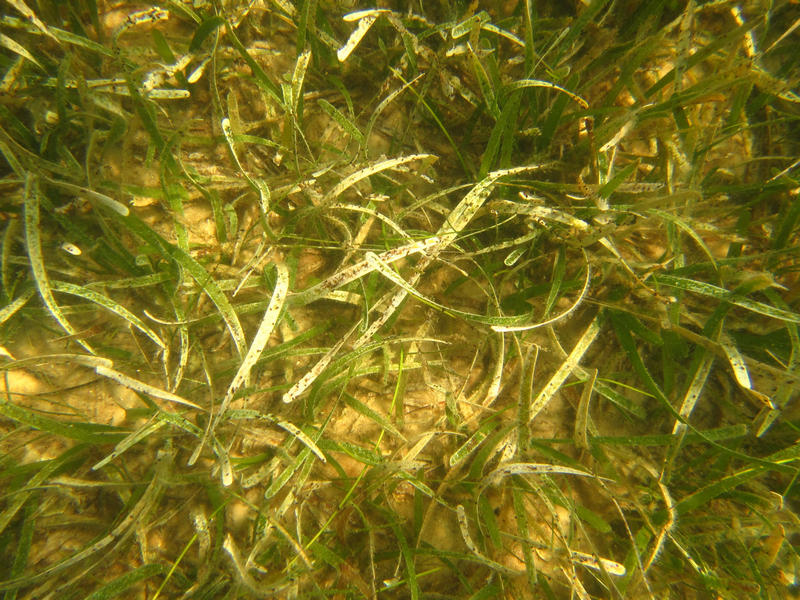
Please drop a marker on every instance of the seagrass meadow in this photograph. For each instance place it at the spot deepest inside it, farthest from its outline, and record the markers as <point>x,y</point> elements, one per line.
<point>429,299</point>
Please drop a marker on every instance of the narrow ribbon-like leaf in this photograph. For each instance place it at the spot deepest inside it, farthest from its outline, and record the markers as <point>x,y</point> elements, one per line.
<point>34,245</point>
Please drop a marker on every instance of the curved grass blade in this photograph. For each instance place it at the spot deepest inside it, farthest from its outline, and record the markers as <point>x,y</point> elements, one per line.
<point>11,308</point>
<point>91,195</point>
<point>558,378</point>
<point>688,229</point>
<point>626,341</point>
<point>18,500</point>
<point>257,184</point>
<point>718,293</point>
<point>385,103</point>
<point>693,392</point>
<point>53,359</point>
<point>144,388</point>
<point>34,245</point>
<point>559,270</point>
<point>261,77</point>
<point>372,415</point>
<point>108,304</point>
<point>463,525</point>
<point>376,215</point>
<point>298,77</point>
<point>88,433</point>
<point>510,469</point>
<point>360,269</point>
<point>461,215</point>
<point>598,564</point>
<point>472,442</point>
<point>204,29</point>
<point>26,12</point>
<point>497,323</point>
<point>582,415</point>
<point>198,273</point>
<point>24,542</point>
<point>130,441</point>
<point>533,83</point>
<point>20,50</point>
<point>287,473</point>
<point>496,381</point>
<point>613,396</point>
<point>183,337</point>
<point>123,582</point>
<point>283,424</point>
<point>408,557</point>
<point>365,18</point>
<point>383,165</point>
<point>259,590</point>
<point>309,378</point>
<point>342,119</point>
<point>268,323</point>
<point>715,489</point>
<point>123,529</point>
